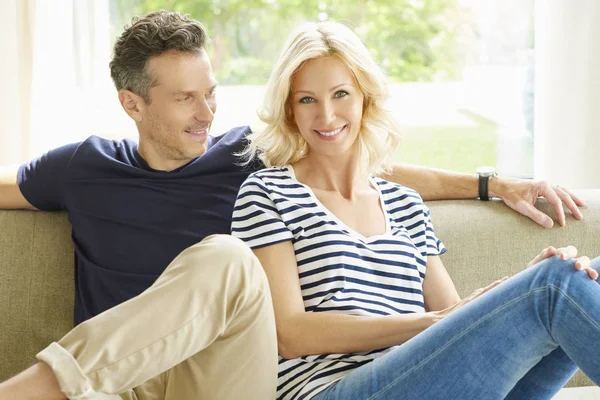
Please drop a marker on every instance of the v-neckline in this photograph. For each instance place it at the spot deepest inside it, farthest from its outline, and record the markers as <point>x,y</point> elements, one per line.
<point>337,220</point>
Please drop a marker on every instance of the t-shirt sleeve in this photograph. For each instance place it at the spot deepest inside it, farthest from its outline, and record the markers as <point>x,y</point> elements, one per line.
<point>416,218</point>
<point>256,219</point>
<point>435,247</point>
<point>42,180</point>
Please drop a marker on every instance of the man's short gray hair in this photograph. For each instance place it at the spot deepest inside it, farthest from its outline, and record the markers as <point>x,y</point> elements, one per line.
<point>150,36</point>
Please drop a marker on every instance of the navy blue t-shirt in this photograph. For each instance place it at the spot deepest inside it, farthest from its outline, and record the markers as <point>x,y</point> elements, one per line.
<point>130,221</point>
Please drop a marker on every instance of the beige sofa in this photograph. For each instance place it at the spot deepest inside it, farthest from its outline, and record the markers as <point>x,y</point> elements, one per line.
<point>485,241</point>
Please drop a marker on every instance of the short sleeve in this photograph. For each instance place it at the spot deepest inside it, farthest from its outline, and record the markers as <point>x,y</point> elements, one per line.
<point>256,219</point>
<point>42,180</point>
<point>435,247</point>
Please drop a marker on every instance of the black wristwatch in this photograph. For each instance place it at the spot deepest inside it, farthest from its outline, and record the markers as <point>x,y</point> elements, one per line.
<point>484,174</point>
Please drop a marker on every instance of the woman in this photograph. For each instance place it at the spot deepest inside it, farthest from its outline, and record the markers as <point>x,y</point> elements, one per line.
<point>364,307</point>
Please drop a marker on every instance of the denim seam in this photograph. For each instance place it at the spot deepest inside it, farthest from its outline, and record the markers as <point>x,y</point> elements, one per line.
<point>472,326</point>
<point>574,304</point>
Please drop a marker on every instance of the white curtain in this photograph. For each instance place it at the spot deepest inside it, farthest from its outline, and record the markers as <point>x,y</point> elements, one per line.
<point>15,80</point>
<point>56,69</point>
<point>567,102</point>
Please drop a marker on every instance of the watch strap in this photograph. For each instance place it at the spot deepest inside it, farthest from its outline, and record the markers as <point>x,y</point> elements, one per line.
<point>484,194</point>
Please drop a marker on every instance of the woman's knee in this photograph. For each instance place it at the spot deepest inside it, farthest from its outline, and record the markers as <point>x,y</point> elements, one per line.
<point>595,263</point>
<point>555,270</point>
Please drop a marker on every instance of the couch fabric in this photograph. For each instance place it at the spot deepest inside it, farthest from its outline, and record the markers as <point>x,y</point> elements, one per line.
<point>485,242</point>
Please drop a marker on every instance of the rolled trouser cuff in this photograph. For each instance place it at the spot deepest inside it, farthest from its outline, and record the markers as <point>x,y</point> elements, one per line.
<point>72,380</point>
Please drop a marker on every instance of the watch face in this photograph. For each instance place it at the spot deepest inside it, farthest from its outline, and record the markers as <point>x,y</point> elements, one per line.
<point>486,171</point>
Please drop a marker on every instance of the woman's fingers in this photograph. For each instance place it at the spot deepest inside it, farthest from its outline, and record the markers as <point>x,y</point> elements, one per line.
<point>546,253</point>
<point>567,253</point>
<point>583,264</point>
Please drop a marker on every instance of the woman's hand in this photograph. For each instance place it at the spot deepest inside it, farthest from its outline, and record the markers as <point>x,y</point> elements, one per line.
<point>446,311</point>
<point>566,253</point>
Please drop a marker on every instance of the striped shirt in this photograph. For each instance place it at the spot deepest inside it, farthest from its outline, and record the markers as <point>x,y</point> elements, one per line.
<point>340,270</point>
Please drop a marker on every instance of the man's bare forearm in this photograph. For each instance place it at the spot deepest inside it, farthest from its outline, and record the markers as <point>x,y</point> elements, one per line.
<point>434,183</point>
<point>11,197</point>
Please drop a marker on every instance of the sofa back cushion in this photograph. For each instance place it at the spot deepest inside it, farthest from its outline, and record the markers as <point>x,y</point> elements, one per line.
<point>485,241</point>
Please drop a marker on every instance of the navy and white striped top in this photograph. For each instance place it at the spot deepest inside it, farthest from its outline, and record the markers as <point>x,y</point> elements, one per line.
<point>340,270</point>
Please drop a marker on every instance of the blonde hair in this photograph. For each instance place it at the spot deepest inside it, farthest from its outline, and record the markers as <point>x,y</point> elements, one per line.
<point>280,143</point>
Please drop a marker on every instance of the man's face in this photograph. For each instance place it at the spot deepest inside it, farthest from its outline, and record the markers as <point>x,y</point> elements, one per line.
<point>175,124</point>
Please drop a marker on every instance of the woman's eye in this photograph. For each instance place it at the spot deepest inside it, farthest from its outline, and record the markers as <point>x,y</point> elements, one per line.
<point>306,100</point>
<point>341,93</point>
<point>186,98</point>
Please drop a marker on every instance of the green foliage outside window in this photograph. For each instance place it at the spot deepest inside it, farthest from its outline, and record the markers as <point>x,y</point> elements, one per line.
<point>412,39</point>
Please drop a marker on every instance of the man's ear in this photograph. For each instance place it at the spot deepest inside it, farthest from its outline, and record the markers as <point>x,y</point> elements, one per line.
<point>133,104</point>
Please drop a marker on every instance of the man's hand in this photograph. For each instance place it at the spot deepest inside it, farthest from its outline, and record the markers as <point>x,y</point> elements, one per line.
<point>521,195</point>
<point>566,253</point>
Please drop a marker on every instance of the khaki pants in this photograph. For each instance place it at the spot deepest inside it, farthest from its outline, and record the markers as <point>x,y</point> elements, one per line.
<point>205,330</point>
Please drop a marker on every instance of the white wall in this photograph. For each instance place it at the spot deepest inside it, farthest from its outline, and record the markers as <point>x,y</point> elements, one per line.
<point>567,102</point>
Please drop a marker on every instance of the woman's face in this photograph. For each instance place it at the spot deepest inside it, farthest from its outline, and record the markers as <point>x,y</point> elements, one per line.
<point>327,106</point>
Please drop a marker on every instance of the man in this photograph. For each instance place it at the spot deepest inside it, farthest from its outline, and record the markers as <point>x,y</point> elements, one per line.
<point>204,326</point>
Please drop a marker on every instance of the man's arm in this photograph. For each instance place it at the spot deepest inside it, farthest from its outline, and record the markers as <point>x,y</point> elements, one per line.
<point>518,194</point>
<point>10,194</point>
<point>434,183</point>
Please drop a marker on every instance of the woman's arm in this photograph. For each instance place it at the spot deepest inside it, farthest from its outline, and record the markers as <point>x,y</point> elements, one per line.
<point>302,333</point>
<point>438,289</point>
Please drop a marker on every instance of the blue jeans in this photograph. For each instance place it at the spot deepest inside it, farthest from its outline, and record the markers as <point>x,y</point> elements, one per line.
<point>524,339</point>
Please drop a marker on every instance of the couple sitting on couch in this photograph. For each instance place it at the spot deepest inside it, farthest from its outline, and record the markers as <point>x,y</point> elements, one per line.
<point>344,280</point>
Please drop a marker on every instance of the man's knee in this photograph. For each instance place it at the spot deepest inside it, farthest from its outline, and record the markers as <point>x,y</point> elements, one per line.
<point>229,244</point>
<point>224,246</point>
<point>230,250</point>
<point>222,254</point>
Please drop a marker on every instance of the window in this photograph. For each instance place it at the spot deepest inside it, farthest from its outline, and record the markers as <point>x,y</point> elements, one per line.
<point>461,70</point>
